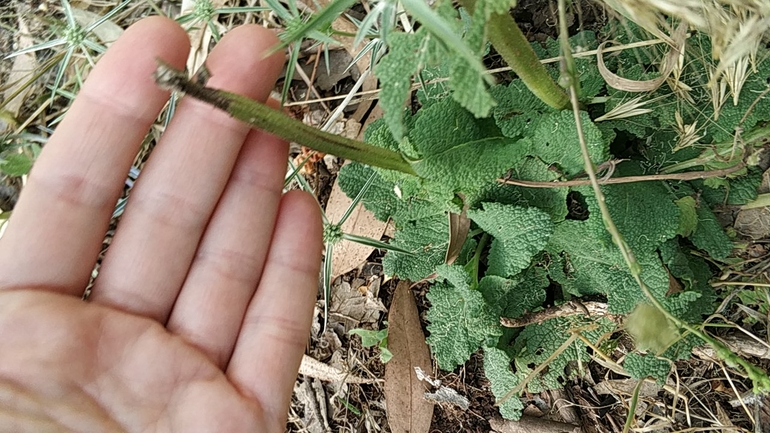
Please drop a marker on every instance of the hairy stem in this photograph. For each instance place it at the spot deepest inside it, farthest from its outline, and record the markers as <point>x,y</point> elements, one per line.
<point>511,44</point>
<point>275,122</point>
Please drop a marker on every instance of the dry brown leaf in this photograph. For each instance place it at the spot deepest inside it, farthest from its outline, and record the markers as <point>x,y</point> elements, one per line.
<point>408,410</point>
<point>615,81</point>
<point>348,255</point>
<point>528,424</point>
<point>459,224</point>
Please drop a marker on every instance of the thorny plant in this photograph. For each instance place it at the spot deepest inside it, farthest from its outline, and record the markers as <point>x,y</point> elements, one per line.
<point>76,38</point>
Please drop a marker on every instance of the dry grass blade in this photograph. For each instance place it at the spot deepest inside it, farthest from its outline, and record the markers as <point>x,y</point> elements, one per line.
<point>669,63</point>
<point>630,108</point>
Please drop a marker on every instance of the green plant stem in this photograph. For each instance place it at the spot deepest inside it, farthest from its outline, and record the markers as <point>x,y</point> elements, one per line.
<point>277,123</point>
<point>632,406</point>
<point>473,265</point>
<point>514,48</point>
<point>758,377</point>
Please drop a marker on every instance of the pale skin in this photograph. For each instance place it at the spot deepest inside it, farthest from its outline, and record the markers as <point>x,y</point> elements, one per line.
<point>201,311</point>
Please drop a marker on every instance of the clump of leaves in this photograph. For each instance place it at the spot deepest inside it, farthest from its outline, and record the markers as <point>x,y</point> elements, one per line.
<point>528,243</point>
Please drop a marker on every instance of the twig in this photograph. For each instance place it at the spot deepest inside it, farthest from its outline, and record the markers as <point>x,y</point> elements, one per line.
<point>690,175</point>
<point>564,310</point>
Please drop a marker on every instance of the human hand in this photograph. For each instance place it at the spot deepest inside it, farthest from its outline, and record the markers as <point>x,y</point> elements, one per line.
<point>202,306</point>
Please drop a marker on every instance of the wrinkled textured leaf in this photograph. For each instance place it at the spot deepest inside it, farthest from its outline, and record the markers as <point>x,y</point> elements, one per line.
<point>513,297</point>
<point>709,235</point>
<point>644,213</point>
<point>647,365</point>
<point>519,112</point>
<point>537,342</point>
<point>555,141</point>
<point>519,234</point>
<point>460,321</point>
<point>381,199</point>
<point>497,368</point>
<point>395,70</point>
<point>428,238</point>
<point>588,263</point>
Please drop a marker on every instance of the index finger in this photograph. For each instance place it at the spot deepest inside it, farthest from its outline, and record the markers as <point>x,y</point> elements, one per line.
<point>56,230</point>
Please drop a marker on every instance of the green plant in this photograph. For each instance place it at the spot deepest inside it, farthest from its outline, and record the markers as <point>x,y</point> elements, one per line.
<point>371,338</point>
<point>512,161</point>
<point>538,243</point>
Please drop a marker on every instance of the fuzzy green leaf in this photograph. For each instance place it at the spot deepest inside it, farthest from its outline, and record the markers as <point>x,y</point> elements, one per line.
<point>381,198</point>
<point>688,217</point>
<point>514,297</point>
<point>709,235</point>
<point>519,234</point>
<point>589,263</point>
<point>550,200</point>
<point>644,213</point>
<point>518,112</point>
<point>735,191</point>
<point>471,165</point>
<point>694,274</point>
<point>537,342</point>
<point>395,70</point>
<point>460,321</point>
<point>16,164</point>
<point>428,238</point>
<point>497,368</point>
<point>555,141</point>
<point>647,365</point>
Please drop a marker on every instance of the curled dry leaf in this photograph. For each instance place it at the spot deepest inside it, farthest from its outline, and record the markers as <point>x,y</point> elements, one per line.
<point>348,255</point>
<point>670,61</point>
<point>408,410</point>
<point>459,224</point>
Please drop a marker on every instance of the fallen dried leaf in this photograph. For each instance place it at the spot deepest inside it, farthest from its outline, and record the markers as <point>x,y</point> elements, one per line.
<point>531,425</point>
<point>408,410</point>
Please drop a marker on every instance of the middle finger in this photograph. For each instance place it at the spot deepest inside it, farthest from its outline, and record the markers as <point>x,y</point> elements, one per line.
<point>180,185</point>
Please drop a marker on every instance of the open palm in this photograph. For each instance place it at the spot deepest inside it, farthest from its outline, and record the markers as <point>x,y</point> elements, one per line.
<point>201,309</point>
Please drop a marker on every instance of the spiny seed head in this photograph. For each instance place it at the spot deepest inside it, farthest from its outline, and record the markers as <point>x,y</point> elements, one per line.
<point>75,35</point>
<point>332,233</point>
<point>204,9</point>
